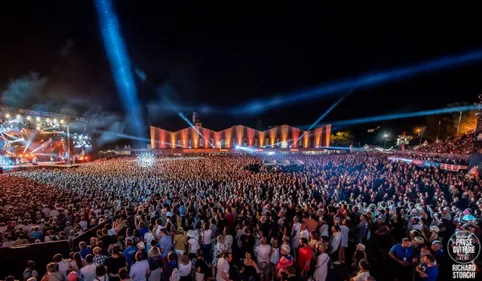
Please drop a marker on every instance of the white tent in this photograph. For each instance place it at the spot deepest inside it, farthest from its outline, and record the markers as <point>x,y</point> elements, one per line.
<point>284,162</point>
<point>269,162</point>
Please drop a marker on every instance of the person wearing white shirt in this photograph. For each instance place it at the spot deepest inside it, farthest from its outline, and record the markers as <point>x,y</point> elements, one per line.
<point>263,254</point>
<point>222,273</point>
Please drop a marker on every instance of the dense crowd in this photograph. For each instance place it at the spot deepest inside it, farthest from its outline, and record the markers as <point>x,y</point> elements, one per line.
<point>461,145</point>
<point>184,218</point>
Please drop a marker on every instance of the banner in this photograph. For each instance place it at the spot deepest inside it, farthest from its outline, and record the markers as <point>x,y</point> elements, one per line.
<point>452,167</point>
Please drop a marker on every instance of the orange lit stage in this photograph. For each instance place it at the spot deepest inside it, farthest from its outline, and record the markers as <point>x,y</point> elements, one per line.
<point>279,137</point>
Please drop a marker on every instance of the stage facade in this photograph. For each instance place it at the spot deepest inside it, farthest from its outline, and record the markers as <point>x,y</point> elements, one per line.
<point>277,137</point>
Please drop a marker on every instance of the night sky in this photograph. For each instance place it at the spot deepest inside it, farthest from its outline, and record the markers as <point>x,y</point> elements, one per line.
<point>224,56</point>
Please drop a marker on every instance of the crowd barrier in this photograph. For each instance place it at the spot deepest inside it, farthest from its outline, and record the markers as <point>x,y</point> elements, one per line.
<point>422,163</point>
<point>13,260</point>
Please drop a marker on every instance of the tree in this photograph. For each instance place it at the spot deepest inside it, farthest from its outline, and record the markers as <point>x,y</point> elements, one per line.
<point>467,120</point>
<point>341,138</point>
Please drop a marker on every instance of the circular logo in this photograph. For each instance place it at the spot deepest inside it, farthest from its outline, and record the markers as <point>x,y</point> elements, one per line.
<point>463,247</point>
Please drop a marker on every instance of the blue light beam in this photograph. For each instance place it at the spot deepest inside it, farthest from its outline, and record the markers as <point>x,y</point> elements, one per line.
<point>323,115</point>
<point>363,81</point>
<point>194,127</point>
<point>404,115</point>
<point>120,64</point>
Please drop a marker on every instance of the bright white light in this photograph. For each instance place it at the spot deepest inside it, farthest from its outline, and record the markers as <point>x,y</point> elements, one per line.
<point>38,118</point>
<point>55,121</point>
<point>62,121</point>
<point>237,147</point>
<point>7,115</point>
<point>48,120</point>
<point>28,117</point>
<point>19,116</point>
<point>284,144</point>
<point>385,136</point>
<point>38,128</point>
<point>146,161</point>
<point>271,153</point>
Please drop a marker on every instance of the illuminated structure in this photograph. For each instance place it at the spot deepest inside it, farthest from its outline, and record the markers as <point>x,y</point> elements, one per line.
<point>280,137</point>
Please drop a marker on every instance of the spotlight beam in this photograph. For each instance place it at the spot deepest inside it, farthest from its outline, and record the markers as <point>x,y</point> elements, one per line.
<point>194,127</point>
<point>388,117</point>
<point>363,81</point>
<point>324,115</point>
<point>120,64</point>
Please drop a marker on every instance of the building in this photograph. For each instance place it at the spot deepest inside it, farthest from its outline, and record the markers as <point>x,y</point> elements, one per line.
<point>279,137</point>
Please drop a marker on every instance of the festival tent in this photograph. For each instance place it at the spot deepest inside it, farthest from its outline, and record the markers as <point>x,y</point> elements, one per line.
<point>299,162</point>
<point>269,162</point>
<point>284,162</point>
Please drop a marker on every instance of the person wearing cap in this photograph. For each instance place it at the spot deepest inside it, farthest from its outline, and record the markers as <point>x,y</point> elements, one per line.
<point>402,254</point>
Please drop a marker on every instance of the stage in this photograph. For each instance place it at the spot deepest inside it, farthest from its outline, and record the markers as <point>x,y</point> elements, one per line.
<point>41,165</point>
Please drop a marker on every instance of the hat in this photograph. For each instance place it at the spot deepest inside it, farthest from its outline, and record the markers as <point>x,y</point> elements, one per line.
<point>418,240</point>
<point>360,247</point>
<point>190,233</point>
<point>141,245</point>
<point>434,228</point>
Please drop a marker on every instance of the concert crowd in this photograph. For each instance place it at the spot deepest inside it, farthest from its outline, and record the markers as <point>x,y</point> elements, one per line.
<point>355,216</point>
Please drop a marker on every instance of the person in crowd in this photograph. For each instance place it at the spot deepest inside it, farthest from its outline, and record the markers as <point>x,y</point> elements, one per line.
<point>363,273</point>
<point>87,272</point>
<point>263,253</point>
<point>139,271</point>
<point>101,273</point>
<point>155,264</point>
<point>185,267</point>
<point>402,255</point>
<point>30,271</point>
<point>200,267</point>
<point>320,271</point>
<point>124,275</point>
<point>428,270</point>
<point>222,273</point>
<point>180,241</point>
<point>169,267</point>
<point>115,263</point>
<point>53,273</point>
<point>249,268</point>
<point>305,254</point>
